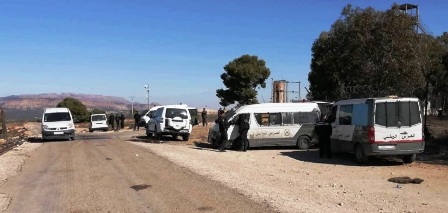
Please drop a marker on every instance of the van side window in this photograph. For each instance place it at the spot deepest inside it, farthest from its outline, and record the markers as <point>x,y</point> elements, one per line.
<point>305,117</point>
<point>267,119</point>
<point>262,119</point>
<point>275,118</point>
<point>287,118</point>
<point>345,114</point>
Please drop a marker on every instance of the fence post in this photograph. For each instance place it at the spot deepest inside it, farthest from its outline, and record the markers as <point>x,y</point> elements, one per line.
<point>3,121</point>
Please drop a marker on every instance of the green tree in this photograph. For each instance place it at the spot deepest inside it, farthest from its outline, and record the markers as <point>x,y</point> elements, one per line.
<point>241,77</point>
<point>77,108</point>
<point>369,53</point>
<point>98,111</point>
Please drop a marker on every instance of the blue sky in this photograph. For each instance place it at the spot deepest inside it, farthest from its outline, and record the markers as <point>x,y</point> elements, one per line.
<point>179,48</point>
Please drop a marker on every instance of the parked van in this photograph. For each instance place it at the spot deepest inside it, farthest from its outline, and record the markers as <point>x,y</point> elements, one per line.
<point>273,124</point>
<point>98,122</point>
<point>390,126</point>
<point>171,120</point>
<point>57,123</point>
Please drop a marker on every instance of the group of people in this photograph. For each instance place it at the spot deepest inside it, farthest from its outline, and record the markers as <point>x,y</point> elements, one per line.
<point>116,121</point>
<point>243,124</point>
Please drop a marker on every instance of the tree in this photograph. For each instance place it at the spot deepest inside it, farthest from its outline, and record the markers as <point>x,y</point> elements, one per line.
<point>98,111</point>
<point>76,107</point>
<point>369,53</point>
<point>241,77</point>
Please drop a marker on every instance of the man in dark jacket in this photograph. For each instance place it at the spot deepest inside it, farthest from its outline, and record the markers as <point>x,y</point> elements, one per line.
<point>122,118</point>
<point>223,125</point>
<point>117,121</point>
<point>111,121</point>
<point>324,131</point>
<point>204,117</point>
<point>137,118</point>
<point>243,129</point>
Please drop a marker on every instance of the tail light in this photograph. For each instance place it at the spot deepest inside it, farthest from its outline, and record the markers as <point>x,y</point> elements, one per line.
<point>371,134</point>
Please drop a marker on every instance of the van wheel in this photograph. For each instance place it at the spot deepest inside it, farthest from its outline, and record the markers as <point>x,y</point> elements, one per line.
<point>303,142</point>
<point>185,137</point>
<point>360,155</point>
<point>409,158</point>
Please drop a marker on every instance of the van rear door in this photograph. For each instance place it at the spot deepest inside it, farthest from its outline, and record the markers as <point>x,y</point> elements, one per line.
<point>397,121</point>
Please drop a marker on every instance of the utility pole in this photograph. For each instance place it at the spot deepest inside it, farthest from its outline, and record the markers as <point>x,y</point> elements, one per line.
<point>132,105</point>
<point>147,93</point>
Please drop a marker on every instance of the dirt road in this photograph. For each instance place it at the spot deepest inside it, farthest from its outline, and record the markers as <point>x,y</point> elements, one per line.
<point>102,173</point>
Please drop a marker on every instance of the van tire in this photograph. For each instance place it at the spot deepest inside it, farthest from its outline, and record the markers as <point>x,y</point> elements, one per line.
<point>360,155</point>
<point>408,159</point>
<point>303,142</point>
<point>185,137</point>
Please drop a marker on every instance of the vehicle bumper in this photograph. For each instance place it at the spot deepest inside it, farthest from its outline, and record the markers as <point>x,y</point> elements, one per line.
<point>62,134</point>
<point>386,149</point>
<point>173,131</point>
<point>105,128</point>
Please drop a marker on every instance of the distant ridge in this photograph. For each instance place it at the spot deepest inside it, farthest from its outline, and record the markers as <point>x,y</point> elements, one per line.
<point>40,101</point>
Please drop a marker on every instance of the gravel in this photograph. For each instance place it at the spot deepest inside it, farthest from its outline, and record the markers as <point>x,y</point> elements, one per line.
<point>298,181</point>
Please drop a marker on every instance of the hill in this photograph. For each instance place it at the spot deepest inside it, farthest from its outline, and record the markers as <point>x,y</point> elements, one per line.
<point>27,107</point>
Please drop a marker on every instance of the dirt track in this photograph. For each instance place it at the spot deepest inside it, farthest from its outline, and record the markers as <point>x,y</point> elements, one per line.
<point>126,172</point>
<point>105,174</point>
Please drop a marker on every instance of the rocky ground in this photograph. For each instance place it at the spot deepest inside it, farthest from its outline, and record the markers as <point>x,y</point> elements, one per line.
<point>294,180</point>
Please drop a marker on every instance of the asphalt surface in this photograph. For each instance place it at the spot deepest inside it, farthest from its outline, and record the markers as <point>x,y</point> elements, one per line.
<point>100,172</point>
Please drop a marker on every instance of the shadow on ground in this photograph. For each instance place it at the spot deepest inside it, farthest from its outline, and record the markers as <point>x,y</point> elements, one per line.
<point>163,139</point>
<point>312,156</point>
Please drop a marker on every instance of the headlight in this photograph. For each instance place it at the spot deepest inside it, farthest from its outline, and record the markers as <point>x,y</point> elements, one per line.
<point>44,127</point>
<point>70,126</point>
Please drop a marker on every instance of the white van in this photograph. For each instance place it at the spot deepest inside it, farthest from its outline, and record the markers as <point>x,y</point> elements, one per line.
<point>390,126</point>
<point>171,120</point>
<point>57,123</point>
<point>98,122</point>
<point>273,124</point>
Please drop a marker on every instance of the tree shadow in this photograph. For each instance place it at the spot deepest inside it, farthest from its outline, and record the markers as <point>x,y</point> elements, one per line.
<point>312,156</point>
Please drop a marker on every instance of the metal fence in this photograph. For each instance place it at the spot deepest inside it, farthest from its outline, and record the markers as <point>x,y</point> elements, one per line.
<point>3,130</point>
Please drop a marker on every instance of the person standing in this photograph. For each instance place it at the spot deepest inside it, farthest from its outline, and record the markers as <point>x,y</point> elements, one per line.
<point>117,121</point>
<point>223,126</point>
<point>137,118</point>
<point>243,129</point>
<point>111,121</point>
<point>324,131</point>
<point>204,117</point>
<point>122,118</point>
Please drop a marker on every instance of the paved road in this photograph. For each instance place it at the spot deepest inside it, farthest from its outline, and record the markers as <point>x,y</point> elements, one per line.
<point>102,173</point>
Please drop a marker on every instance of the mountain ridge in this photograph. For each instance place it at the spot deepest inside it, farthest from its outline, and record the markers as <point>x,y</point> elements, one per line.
<point>44,100</point>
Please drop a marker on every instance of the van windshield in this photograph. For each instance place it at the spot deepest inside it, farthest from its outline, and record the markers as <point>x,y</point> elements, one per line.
<point>98,117</point>
<point>57,116</point>
<point>393,114</point>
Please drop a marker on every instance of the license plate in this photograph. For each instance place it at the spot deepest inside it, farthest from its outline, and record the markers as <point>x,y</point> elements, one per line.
<point>387,147</point>
<point>58,133</point>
